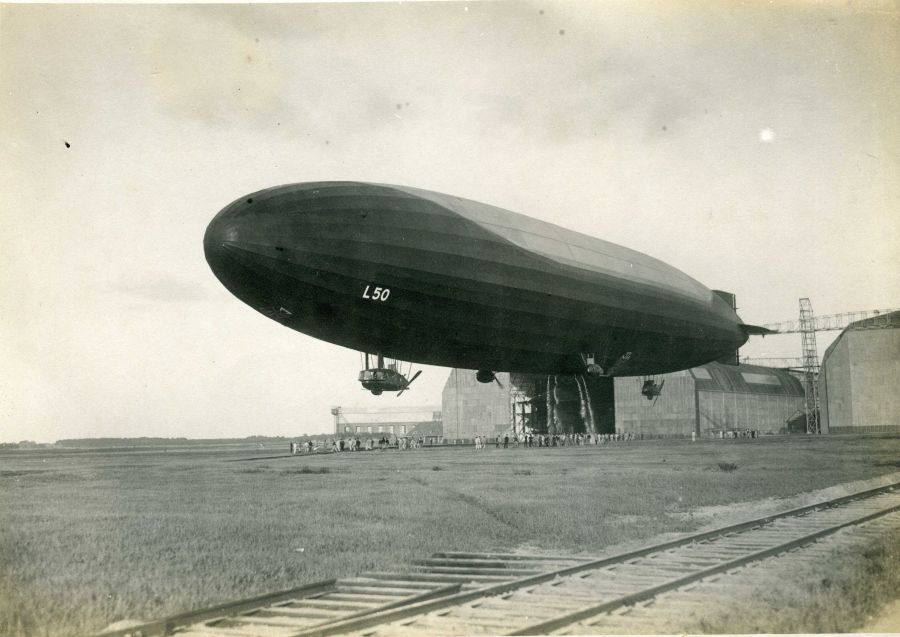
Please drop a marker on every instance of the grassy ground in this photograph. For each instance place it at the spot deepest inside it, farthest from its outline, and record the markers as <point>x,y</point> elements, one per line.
<point>87,539</point>
<point>857,583</point>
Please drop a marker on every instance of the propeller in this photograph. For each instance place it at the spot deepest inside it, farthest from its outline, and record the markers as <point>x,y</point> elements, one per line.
<point>486,376</point>
<point>409,382</point>
<point>658,393</point>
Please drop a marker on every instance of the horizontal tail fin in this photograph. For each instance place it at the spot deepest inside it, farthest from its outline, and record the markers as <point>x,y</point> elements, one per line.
<point>757,330</point>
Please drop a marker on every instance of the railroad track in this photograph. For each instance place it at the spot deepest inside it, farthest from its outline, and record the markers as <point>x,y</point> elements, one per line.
<point>501,593</point>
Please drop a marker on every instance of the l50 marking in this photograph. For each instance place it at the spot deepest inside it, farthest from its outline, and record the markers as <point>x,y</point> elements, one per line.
<point>378,294</point>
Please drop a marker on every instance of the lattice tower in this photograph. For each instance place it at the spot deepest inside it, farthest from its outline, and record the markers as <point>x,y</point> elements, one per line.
<point>810,365</point>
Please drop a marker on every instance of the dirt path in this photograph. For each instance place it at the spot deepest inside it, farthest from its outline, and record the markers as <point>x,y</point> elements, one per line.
<point>887,621</point>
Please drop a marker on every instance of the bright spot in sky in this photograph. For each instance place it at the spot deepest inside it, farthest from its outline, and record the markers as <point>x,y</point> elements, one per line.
<point>766,135</point>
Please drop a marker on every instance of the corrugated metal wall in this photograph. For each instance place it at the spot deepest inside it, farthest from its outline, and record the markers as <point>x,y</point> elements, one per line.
<point>471,408</point>
<point>672,414</point>
<point>729,411</point>
<point>858,382</point>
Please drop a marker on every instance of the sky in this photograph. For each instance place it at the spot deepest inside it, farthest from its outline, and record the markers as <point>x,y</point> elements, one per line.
<point>755,146</point>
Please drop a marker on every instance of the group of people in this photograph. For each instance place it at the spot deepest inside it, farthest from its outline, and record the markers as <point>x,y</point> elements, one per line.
<point>506,440</point>
<point>355,444</point>
<point>739,433</point>
<point>551,440</point>
<point>410,443</point>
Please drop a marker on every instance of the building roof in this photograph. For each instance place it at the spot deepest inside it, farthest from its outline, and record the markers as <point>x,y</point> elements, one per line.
<point>891,320</point>
<point>746,379</point>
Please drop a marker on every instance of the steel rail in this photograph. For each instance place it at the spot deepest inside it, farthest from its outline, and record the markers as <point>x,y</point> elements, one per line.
<point>169,624</point>
<point>223,611</point>
<point>627,600</point>
<point>411,610</point>
<point>438,597</point>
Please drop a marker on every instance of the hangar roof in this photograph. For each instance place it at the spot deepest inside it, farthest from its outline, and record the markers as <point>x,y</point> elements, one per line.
<point>891,320</point>
<point>746,379</point>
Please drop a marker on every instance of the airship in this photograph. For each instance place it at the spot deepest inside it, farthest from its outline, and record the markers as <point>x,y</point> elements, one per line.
<point>436,279</point>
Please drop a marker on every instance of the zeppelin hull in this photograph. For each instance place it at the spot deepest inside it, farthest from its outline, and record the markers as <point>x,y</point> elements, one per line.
<point>439,280</point>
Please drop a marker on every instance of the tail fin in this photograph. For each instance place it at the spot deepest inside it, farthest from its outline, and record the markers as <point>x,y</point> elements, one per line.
<point>728,297</point>
<point>757,330</point>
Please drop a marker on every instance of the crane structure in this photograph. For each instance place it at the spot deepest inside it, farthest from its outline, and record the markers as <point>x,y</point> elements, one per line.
<point>807,326</point>
<point>810,365</point>
<point>829,322</point>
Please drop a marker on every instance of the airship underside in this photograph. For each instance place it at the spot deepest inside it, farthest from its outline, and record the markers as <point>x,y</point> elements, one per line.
<point>436,279</point>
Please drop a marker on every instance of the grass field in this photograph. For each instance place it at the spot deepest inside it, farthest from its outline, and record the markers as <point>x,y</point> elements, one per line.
<point>87,539</point>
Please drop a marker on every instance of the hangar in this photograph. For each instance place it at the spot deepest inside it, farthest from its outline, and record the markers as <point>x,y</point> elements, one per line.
<point>858,378</point>
<point>555,404</point>
<point>857,394</point>
<point>709,400</point>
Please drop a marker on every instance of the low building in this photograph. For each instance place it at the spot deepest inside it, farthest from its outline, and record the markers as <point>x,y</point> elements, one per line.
<point>431,433</point>
<point>858,378</point>
<point>379,429</point>
<point>387,422</point>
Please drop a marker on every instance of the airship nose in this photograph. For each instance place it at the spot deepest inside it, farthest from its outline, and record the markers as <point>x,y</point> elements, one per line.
<point>214,241</point>
<point>222,231</point>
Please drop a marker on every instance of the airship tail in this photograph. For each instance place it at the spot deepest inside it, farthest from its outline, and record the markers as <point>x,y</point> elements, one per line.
<point>756,330</point>
<point>733,358</point>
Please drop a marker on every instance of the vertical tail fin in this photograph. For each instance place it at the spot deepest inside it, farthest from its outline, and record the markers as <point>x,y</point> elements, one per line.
<point>732,358</point>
